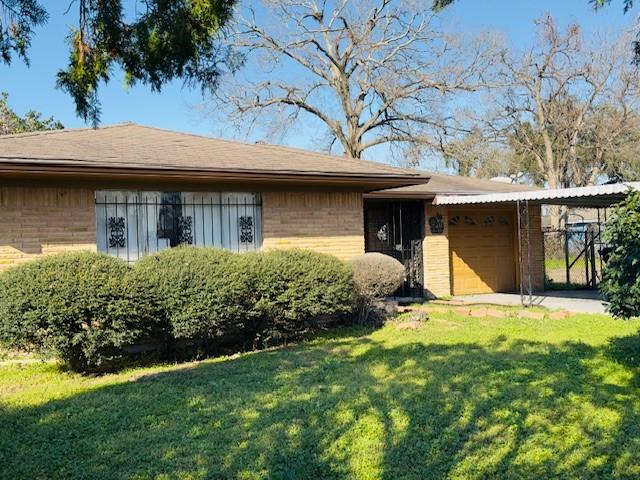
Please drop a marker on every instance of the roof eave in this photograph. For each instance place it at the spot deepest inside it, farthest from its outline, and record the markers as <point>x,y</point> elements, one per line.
<point>368,182</point>
<point>596,196</point>
<point>385,194</point>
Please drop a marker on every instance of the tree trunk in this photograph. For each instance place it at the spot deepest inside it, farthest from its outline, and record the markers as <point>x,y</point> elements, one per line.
<point>557,213</point>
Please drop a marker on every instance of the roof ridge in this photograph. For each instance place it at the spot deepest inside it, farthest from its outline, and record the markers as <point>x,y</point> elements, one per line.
<point>62,130</point>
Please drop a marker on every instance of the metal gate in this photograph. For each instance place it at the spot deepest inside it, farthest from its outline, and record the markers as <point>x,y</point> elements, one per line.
<point>131,224</point>
<point>574,257</point>
<point>397,229</point>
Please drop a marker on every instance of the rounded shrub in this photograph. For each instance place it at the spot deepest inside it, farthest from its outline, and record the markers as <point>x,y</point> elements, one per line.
<point>206,293</point>
<point>298,290</point>
<point>82,307</point>
<point>621,276</point>
<point>375,276</point>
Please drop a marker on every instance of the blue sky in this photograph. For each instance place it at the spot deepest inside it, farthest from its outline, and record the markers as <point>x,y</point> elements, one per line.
<point>34,87</point>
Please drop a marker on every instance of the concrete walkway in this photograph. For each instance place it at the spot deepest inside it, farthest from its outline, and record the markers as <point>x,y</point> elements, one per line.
<point>579,301</point>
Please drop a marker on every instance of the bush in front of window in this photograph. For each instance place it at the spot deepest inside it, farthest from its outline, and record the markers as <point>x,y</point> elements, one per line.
<point>205,293</point>
<point>81,307</point>
<point>93,311</point>
<point>298,290</point>
<point>217,299</point>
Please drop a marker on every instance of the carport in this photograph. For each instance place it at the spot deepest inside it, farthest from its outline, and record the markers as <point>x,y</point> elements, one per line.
<point>465,246</point>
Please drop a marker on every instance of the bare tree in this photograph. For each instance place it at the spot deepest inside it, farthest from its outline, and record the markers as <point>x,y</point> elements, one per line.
<point>480,155</point>
<point>372,72</point>
<point>559,90</point>
<point>569,107</point>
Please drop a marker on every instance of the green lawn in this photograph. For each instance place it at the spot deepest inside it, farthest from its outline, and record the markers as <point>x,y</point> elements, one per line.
<point>555,263</point>
<point>459,398</point>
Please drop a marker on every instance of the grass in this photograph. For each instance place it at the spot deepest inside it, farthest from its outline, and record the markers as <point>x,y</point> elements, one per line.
<point>555,263</point>
<point>463,398</point>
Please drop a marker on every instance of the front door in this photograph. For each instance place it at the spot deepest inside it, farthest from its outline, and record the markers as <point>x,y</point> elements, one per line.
<point>397,229</point>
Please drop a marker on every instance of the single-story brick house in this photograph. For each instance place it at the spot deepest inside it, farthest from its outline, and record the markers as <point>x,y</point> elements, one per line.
<point>129,190</point>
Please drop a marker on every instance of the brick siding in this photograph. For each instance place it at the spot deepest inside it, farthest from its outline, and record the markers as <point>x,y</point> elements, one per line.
<point>437,270</point>
<point>43,221</point>
<point>536,240</point>
<point>327,222</point>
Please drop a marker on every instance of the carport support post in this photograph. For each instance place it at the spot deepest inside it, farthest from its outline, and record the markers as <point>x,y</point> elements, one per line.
<point>520,250</point>
<point>587,256</point>
<point>526,233</point>
<point>528,225</point>
<point>566,256</point>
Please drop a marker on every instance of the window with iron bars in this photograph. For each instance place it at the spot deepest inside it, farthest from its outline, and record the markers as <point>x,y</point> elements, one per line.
<point>131,224</point>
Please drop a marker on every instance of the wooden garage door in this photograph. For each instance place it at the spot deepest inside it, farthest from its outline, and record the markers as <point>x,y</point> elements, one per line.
<point>482,252</point>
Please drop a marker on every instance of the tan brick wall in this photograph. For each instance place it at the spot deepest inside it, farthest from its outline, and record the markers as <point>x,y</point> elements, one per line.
<point>327,222</point>
<point>537,249</point>
<point>437,269</point>
<point>42,221</point>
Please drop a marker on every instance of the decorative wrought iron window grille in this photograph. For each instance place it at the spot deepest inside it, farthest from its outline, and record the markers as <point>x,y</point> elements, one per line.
<point>383,233</point>
<point>185,232</point>
<point>131,224</point>
<point>117,238</point>
<point>246,229</point>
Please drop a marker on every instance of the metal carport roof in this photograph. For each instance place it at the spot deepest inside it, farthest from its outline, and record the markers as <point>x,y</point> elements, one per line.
<point>596,196</point>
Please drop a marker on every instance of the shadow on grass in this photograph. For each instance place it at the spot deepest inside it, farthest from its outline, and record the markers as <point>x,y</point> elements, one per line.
<point>349,408</point>
<point>625,350</point>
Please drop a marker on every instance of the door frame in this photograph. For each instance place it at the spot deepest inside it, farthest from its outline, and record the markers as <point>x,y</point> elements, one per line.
<point>403,238</point>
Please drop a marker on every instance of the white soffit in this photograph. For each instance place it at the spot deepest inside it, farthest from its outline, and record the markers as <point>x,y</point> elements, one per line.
<point>592,196</point>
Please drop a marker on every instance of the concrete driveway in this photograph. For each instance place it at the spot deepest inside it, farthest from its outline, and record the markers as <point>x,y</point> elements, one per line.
<point>579,301</point>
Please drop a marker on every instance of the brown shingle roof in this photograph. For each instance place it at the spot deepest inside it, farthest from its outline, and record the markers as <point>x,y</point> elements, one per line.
<point>441,184</point>
<point>130,146</point>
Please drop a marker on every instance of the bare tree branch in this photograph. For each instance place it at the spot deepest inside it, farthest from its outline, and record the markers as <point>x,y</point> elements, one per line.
<point>373,72</point>
<point>570,107</point>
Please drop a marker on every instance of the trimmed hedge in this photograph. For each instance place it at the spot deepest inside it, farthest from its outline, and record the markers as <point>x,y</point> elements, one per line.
<point>82,307</point>
<point>212,296</point>
<point>89,308</point>
<point>297,290</point>
<point>205,293</point>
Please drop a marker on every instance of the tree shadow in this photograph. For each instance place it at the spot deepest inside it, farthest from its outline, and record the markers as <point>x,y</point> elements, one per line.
<point>349,408</point>
<point>625,350</point>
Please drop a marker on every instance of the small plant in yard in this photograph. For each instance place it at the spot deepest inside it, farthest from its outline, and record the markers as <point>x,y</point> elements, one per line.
<point>375,276</point>
<point>82,307</point>
<point>621,279</point>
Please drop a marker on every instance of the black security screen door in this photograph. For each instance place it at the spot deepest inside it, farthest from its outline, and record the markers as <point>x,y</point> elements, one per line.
<point>397,229</point>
